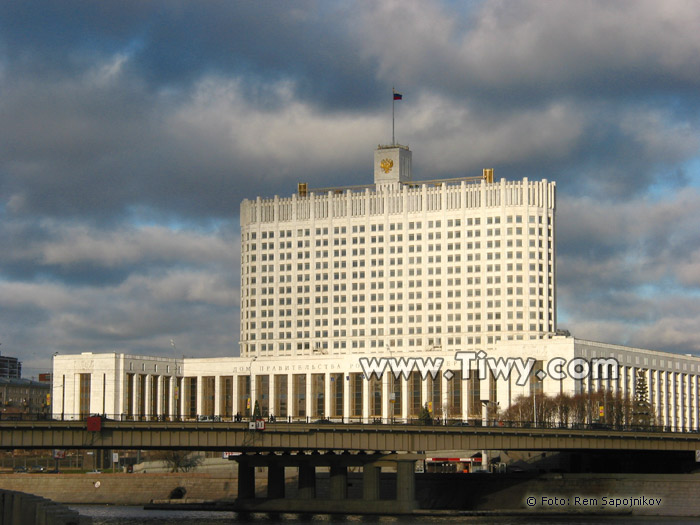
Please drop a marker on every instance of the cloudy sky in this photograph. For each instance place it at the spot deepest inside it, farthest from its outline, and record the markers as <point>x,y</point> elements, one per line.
<point>131,131</point>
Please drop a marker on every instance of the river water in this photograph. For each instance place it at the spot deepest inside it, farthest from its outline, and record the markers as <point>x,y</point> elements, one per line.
<point>119,515</point>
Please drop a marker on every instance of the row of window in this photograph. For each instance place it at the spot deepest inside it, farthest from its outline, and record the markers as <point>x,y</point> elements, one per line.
<point>435,343</point>
<point>472,221</point>
<point>411,261</point>
<point>411,237</point>
<point>249,260</point>
<point>392,249</point>
<point>342,310</point>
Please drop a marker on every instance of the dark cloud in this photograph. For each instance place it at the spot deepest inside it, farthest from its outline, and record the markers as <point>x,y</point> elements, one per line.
<point>131,131</point>
<point>629,266</point>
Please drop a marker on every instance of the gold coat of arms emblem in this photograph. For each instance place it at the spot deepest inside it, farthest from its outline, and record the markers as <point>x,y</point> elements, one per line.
<point>386,165</point>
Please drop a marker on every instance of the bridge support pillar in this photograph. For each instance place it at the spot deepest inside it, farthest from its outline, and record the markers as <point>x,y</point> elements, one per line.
<point>339,481</point>
<point>307,481</point>
<point>370,481</point>
<point>405,480</point>
<point>275,480</point>
<point>246,480</point>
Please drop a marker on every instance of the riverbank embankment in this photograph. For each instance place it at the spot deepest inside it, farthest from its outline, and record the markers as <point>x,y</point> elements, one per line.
<point>640,494</point>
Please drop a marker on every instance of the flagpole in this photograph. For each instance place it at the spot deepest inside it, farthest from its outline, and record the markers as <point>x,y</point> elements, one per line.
<point>393,101</point>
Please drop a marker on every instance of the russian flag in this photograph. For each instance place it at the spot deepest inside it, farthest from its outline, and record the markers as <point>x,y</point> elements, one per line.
<point>398,96</point>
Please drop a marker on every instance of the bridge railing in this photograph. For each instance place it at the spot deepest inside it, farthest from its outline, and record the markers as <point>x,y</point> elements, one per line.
<point>449,422</point>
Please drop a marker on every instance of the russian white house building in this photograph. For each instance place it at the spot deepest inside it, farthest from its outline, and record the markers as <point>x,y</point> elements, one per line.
<point>398,270</point>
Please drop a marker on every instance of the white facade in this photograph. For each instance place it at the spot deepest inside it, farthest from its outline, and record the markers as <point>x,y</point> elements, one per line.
<point>115,384</point>
<point>335,387</point>
<point>395,270</point>
<point>411,266</point>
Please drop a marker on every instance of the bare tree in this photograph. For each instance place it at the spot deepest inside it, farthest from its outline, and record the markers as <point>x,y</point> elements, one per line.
<point>179,460</point>
<point>564,409</point>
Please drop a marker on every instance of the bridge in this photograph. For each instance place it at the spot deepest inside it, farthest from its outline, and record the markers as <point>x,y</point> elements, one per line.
<point>337,447</point>
<point>322,436</point>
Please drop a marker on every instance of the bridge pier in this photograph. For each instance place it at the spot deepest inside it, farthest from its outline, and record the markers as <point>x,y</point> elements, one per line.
<point>339,481</point>
<point>307,481</point>
<point>337,500</point>
<point>370,481</point>
<point>405,481</point>
<point>246,480</point>
<point>275,481</point>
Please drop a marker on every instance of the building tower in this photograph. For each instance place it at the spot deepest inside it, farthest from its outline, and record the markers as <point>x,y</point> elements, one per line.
<point>412,266</point>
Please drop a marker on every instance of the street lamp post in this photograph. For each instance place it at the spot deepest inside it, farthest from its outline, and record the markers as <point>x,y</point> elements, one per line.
<point>251,391</point>
<point>534,406</point>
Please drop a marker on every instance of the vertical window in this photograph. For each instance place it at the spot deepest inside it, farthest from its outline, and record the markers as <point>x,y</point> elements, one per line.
<point>84,395</point>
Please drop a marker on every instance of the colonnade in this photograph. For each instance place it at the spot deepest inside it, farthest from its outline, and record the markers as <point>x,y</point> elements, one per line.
<point>674,395</point>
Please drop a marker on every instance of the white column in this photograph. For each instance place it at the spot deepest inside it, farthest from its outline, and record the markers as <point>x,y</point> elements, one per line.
<point>253,391</point>
<point>200,403</point>
<point>424,395</point>
<point>685,400</point>
<point>386,398</point>
<point>678,408</point>
<point>291,408</point>
<point>308,396</point>
<point>671,376</point>
<point>689,402</point>
<point>346,395</point>
<point>679,401</point>
<point>147,395</point>
<point>272,393</point>
<point>465,398</point>
<point>404,398</point>
<point>234,394</point>
<point>664,379</point>
<point>696,412</point>
<point>291,402</point>
<point>444,398</point>
<point>676,401</point>
<point>682,403</point>
<point>658,396</point>
<point>172,406</point>
<point>327,395</point>
<point>365,399</point>
<point>485,394</point>
<point>650,382</point>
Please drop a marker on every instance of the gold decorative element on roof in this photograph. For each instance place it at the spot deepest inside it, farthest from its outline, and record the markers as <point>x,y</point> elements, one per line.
<point>386,165</point>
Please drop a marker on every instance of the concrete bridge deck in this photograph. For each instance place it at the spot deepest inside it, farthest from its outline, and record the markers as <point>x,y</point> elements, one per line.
<point>228,436</point>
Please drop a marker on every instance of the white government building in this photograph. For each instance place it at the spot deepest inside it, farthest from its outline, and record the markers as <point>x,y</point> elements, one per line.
<point>402,270</point>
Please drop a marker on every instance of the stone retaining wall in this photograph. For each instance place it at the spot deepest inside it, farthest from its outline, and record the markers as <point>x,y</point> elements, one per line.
<point>678,493</point>
<point>28,509</point>
<point>119,489</point>
<point>638,494</point>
